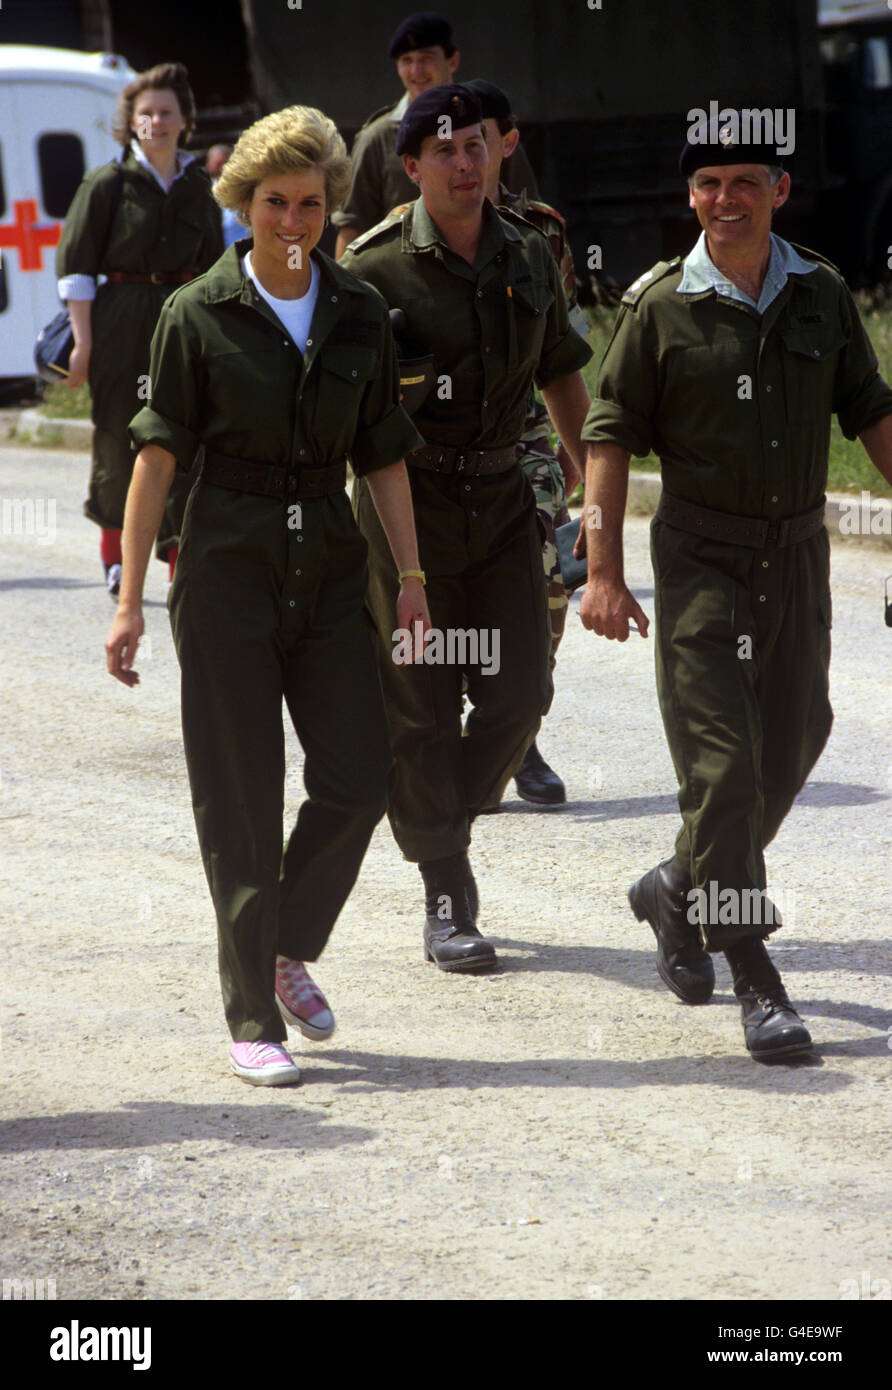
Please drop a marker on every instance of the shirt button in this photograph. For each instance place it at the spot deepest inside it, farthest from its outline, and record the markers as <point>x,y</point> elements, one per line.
<point>817,352</point>
<point>767,388</point>
<point>303,453</point>
<point>353,372</point>
<point>291,603</point>
<point>297,572</point>
<point>479,294</point>
<point>299,536</point>
<point>764,565</point>
<point>473,513</point>
<point>309,342</point>
<point>485,404</point>
<point>467,487</point>
<point>774,443</point>
<point>774,499</point>
<point>761,598</point>
<point>334,299</point>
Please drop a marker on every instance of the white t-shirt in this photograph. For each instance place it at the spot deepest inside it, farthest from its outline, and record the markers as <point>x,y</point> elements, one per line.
<point>296,314</point>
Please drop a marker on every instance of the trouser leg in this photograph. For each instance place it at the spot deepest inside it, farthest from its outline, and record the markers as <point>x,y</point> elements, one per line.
<point>543,472</point>
<point>441,778</point>
<point>506,598</point>
<point>334,698</point>
<point>232,681</point>
<point>711,716</point>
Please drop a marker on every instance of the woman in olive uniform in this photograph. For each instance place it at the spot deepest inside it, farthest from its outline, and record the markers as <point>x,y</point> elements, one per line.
<point>148,222</point>
<point>280,364</point>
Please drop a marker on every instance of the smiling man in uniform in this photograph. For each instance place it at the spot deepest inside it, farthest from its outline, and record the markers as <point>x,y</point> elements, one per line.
<point>729,364</point>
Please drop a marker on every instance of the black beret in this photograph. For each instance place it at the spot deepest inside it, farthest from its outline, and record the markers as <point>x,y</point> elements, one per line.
<point>424,114</point>
<point>726,141</point>
<point>421,31</point>
<point>493,102</point>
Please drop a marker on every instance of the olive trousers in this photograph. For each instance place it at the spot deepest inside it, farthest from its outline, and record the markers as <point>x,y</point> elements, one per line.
<point>742,664</point>
<point>482,554</point>
<point>260,612</point>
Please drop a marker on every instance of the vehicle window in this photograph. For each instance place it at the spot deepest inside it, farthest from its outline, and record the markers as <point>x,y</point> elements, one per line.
<point>877,67</point>
<point>60,159</point>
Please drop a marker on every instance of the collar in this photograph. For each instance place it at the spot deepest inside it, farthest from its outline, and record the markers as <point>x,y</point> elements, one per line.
<point>421,233</point>
<point>227,280</point>
<point>701,274</point>
<point>183,159</point>
<point>399,111</point>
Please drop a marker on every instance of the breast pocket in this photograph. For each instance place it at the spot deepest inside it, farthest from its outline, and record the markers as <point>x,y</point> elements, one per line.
<point>344,374</point>
<point>809,361</point>
<point>527,320</point>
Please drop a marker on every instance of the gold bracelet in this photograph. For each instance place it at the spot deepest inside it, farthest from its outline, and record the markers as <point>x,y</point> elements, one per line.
<point>412,574</point>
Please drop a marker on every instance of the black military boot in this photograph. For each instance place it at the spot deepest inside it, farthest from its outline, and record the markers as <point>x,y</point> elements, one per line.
<point>661,898</point>
<point>451,938</point>
<point>771,1026</point>
<point>537,782</point>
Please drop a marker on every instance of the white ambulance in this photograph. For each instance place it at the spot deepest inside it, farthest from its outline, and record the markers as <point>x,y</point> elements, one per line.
<point>55,124</point>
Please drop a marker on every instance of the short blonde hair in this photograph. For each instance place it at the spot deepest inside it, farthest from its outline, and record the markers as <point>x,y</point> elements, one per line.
<point>287,142</point>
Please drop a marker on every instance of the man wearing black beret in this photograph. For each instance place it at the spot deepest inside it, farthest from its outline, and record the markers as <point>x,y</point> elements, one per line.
<point>728,363</point>
<point>426,57</point>
<point>482,290</point>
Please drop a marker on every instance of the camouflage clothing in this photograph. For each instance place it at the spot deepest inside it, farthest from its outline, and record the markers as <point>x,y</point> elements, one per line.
<point>538,459</point>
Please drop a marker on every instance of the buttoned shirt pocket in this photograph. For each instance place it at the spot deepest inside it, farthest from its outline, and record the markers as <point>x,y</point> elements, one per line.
<point>809,362</point>
<point>344,374</point>
<point>528,306</point>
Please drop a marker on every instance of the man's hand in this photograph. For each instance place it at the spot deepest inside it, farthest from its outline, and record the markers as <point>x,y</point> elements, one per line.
<point>607,607</point>
<point>120,645</point>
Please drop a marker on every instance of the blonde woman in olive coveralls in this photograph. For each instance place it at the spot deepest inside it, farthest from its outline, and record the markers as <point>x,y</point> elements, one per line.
<point>268,595</point>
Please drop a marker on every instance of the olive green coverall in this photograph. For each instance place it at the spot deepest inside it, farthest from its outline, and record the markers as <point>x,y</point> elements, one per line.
<point>268,601</point>
<point>737,407</point>
<point>153,232</point>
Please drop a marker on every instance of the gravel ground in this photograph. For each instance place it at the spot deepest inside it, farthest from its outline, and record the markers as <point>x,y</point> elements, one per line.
<point>562,1128</point>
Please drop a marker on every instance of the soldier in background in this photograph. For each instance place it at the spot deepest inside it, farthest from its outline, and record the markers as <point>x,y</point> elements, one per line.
<point>551,476</point>
<point>425,57</point>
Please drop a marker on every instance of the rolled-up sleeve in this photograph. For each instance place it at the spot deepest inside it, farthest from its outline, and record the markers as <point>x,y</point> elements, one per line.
<point>171,416</point>
<point>385,433</point>
<point>563,350</point>
<point>860,395</point>
<point>626,393</point>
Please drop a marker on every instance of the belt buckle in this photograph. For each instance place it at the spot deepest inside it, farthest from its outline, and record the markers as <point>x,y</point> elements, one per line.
<point>772,535</point>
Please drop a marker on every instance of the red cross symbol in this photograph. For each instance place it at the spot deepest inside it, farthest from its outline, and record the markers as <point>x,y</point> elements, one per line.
<point>24,236</point>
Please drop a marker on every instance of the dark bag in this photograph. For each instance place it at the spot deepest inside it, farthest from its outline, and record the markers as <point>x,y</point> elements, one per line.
<point>55,342</point>
<point>574,573</point>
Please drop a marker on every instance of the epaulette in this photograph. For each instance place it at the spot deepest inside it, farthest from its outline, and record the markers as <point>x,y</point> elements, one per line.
<point>649,279</point>
<point>382,111</point>
<point>386,222</point>
<point>543,209</point>
<point>512,215</point>
<point>814,256</point>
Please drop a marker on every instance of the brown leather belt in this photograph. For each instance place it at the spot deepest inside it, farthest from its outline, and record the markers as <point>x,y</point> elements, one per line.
<point>757,532</point>
<point>441,459</point>
<point>271,480</point>
<point>177,277</point>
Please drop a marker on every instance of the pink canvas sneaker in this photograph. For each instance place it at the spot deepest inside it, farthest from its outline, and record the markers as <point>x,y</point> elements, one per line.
<point>302,1002</point>
<point>263,1064</point>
